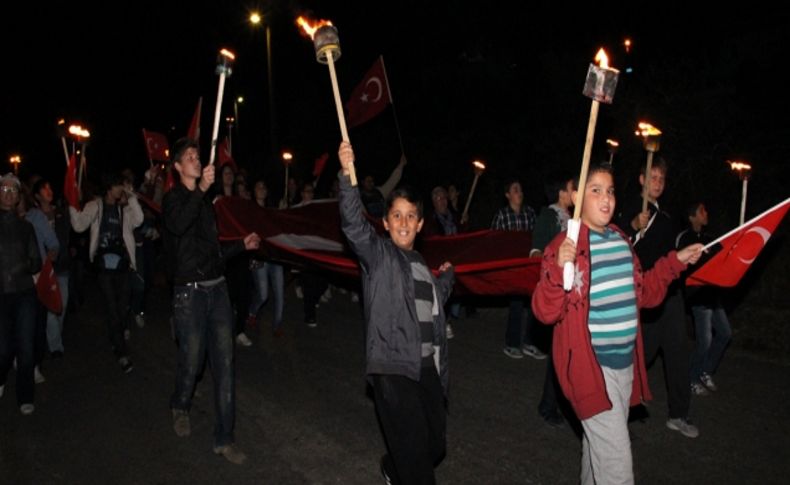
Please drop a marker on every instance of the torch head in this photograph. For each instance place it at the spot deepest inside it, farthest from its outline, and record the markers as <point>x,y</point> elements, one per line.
<point>601,80</point>
<point>225,62</point>
<point>651,136</point>
<point>325,41</point>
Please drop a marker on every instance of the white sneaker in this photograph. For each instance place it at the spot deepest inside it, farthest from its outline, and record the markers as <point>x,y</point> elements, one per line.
<point>38,377</point>
<point>533,352</point>
<point>354,297</point>
<point>449,331</point>
<point>698,389</point>
<point>707,381</point>
<point>139,319</point>
<point>27,409</point>
<point>127,334</point>
<point>243,340</point>
<point>684,426</point>
<point>299,293</point>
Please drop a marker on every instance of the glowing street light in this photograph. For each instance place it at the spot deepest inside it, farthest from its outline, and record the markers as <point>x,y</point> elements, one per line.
<point>256,19</point>
<point>15,160</point>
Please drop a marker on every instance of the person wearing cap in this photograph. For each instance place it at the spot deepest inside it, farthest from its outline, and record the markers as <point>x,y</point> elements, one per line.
<point>19,261</point>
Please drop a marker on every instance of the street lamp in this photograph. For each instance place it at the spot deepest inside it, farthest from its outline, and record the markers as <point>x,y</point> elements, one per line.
<point>256,19</point>
<point>15,160</point>
<point>287,158</point>
<point>230,120</point>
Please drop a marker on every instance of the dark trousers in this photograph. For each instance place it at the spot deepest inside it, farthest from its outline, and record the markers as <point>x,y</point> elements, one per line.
<point>313,286</point>
<point>204,322</point>
<point>549,403</point>
<point>414,422</point>
<point>664,328</point>
<point>17,336</point>
<point>114,286</point>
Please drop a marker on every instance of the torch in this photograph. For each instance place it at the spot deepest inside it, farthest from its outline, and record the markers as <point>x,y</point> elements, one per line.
<point>651,139</point>
<point>15,160</point>
<point>224,69</point>
<point>744,170</point>
<point>613,146</point>
<point>327,48</point>
<point>61,131</point>
<point>479,168</point>
<point>82,135</point>
<point>287,157</point>
<point>599,86</point>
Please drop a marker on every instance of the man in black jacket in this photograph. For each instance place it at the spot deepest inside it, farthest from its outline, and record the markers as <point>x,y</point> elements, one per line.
<point>19,261</point>
<point>201,307</point>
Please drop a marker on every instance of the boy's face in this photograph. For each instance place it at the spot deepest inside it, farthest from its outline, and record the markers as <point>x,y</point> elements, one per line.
<point>566,195</point>
<point>701,216</point>
<point>656,183</point>
<point>599,201</point>
<point>514,194</point>
<point>403,223</point>
<point>188,167</point>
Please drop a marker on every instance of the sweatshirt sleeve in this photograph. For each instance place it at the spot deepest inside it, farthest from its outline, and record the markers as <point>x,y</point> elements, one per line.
<point>548,300</point>
<point>656,281</point>
<point>360,233</point>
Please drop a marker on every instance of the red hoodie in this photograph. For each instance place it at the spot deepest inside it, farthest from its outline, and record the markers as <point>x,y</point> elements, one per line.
<point>577,368</point>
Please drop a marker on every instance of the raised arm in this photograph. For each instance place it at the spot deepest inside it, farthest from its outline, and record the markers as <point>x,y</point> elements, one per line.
<point>394,178</point>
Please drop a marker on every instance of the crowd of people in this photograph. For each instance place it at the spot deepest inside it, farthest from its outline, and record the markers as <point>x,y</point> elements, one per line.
<point>628,301</point>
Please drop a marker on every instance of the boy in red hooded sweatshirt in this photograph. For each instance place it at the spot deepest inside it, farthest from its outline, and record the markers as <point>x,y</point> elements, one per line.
<point>597,347</point>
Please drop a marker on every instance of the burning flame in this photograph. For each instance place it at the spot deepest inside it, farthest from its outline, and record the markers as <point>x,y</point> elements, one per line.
<point>311,28</point>
<point>627,44</point>
<point>646,129</point>
<point>739,166</point>
<point>287,156</point>
<point>479,165</point>
<point>612,143</point>
<point>226,53</point>
<point>602,59</point>
<point>15,159</point>
<point>79,131</point>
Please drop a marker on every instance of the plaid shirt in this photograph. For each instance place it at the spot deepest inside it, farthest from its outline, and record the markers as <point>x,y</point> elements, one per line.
<point>507,220</point>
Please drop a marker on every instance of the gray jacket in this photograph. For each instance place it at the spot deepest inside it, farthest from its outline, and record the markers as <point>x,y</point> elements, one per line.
<point>393,340</point>
<point>19,257</point>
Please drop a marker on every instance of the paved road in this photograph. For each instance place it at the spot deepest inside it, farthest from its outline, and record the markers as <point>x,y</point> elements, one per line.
<point>304,415</point>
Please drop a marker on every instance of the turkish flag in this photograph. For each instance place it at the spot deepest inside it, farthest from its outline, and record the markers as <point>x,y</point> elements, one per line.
<point>156,144</point>
<point>224,155</point>
<point>47,288</point>
<point>320,163</point>
<point>70,190</point>
<point>739,249</point>
<point>194,127</point>
<point>371,96</point>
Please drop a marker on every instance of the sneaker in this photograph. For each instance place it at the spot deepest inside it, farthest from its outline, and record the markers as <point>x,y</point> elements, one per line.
<point>139,319</point>
<point>449,330</point>
<point>38,377</point>
<point>311,322</point>
<point>27,409</point>
<point>707,381</point>
<point>126,365</point>
<point>383,469</point>
<point>181,423</point>
<point>2,390</point>
<point>513,352</point>
<point>127,334</point>
<point>231,453</point>
<point>699,390</point>
<point>243,340</point>
<point>326,296</point>
<point>354,297</point>
<point>532,351</point>
<point>684,426</point>
<point>299,293</point>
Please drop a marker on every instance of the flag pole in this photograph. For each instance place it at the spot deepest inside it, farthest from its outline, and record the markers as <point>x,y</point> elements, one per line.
<point>721,238</point>
<point>392,102</point>
<point>224,70</point>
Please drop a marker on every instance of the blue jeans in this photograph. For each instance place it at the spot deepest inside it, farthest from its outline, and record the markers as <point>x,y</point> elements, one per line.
<point>713,334</point>
<point>17,337</point>
<point>266,277</point>
<point>204,323</point>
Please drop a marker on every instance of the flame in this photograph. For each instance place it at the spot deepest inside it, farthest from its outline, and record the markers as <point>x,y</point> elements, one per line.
<point>311,28</point>
<point>479,165</point>
<point>287,156</point>
<point>15,159</point>
<point>627,44</point>
<point>79,131</point>
<point>646,129</point>
<point>226,53</point>
<point>61,122</point>
<point>739,166</point>
<point>612,143</point>
<point>602,59</point>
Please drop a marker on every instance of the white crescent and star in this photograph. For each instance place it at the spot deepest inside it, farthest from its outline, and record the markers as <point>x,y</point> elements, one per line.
<point>374,80</point>
<point>763,233</point>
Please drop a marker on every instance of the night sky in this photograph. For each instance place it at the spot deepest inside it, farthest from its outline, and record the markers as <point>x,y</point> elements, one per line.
<point>469,79</point>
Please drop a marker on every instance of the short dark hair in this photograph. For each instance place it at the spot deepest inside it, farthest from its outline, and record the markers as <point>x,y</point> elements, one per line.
<point>110,180</point>
<point>556,182</point>
<point>408,193</point>
<point>658,164</point>
<point>509,183</point>
<point>594,168</point>
<point>38,185</point>
<point>181,146</point>
<point>691,209</point>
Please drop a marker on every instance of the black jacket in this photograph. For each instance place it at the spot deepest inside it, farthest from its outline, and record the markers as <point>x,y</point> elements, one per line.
<point>19,256</point>
<point>393,340</point>
<point>191,239</point>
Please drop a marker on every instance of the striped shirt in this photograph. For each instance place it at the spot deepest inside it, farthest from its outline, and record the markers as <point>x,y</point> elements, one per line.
<point>613,314</point>
<point>506,219</point>
<point>425,303</point>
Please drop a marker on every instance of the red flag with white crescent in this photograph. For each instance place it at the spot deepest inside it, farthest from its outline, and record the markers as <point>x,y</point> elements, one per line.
<point>739,249</point>
<point>371,96</point>
<point>156,144</point>
<point>47,288</point>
